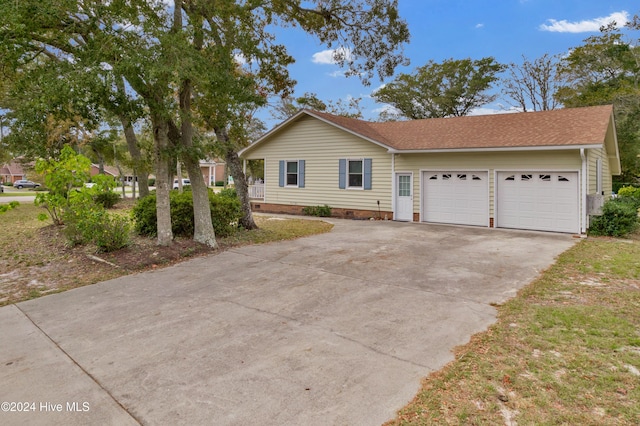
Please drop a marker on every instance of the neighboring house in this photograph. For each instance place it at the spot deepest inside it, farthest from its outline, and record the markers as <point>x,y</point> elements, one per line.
<point>212,171</point>
<point>531,170</point>
<point>12,172</point>
<point>113,171</point>
<point>108,170</point>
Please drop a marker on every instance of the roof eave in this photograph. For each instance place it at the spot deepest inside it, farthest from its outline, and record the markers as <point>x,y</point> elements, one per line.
<point>273,131</point>
<point>611,144</point>
<point>310,113</point>
<point>345,129</point>
<point>496,149</point>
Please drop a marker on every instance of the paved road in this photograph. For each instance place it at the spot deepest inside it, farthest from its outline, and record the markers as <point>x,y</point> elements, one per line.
<point>335,329</point>
<point>22,198</point>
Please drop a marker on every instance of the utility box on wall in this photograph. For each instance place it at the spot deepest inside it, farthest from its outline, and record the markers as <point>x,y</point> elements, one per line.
<point>594,204</point>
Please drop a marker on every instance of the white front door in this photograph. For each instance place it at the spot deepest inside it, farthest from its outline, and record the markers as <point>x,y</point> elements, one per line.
<point>404,197</point>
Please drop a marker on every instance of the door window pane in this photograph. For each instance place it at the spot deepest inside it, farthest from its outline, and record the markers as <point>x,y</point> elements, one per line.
<point>404,186</point>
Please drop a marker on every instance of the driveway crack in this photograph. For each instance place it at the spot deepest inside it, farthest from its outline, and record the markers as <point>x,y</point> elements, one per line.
<point>91,376</point>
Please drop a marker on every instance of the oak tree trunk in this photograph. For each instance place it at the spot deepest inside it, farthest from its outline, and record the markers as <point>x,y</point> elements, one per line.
<point>163,207</point>
<point>203,231</point>
<point>138,163</point>
<point>234,166</point>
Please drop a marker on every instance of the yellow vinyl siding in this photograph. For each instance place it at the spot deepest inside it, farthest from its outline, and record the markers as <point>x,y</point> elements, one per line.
<point>592,156</point>
<point>321,146</point>
<point>568,160</point>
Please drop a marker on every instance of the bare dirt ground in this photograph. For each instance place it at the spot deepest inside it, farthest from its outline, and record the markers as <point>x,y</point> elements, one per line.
<point>36,260</point>
<point>43,263</point>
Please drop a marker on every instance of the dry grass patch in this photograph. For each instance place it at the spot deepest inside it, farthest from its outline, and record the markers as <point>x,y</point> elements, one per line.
<point>35,259</point>
<point>566,350</point>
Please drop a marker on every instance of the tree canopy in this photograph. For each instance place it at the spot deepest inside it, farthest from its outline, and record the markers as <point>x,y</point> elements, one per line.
<point>145,59</point>
<point>531,86</point>
<point>448,89</point>
<point>289,105</point>
<point>606,70</point>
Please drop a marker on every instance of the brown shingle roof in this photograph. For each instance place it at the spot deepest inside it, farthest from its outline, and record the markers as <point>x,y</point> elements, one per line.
<point>13,168</point>
<point>557,128</point>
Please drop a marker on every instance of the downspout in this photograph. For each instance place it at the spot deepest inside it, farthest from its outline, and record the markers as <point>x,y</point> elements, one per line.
<point>393,185</point>
<point>583,193</point>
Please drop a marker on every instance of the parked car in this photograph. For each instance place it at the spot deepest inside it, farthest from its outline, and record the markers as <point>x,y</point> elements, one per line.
<point>185,182</point>
<point>23,183</point>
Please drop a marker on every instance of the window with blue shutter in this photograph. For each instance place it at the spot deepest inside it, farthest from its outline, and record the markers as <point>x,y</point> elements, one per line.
<point>367,173</point>
<point>281,173</point>
<point>300,173</point>
<point>342,173</point>
<point>355,174</point>
<point>291,173</point>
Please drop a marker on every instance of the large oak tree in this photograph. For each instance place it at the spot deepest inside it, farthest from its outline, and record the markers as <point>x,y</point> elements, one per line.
<point>606,70</point>
<point>168,56</point>
<point>448,89</point>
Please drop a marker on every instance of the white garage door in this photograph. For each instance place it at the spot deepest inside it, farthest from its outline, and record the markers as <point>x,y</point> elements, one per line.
<point>456,197</point>
<point>542,201</point>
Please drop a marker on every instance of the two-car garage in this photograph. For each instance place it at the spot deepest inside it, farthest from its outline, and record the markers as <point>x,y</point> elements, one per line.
<point>543,200</point>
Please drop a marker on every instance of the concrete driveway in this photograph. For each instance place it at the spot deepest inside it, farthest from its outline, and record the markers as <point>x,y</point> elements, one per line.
<point>335,329</point>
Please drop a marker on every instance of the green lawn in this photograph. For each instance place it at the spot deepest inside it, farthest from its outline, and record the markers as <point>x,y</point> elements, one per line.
<point>565,351</point>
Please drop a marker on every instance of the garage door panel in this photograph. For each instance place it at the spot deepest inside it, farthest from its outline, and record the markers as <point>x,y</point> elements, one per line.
<point>545,201</point>
<point>458,197</point>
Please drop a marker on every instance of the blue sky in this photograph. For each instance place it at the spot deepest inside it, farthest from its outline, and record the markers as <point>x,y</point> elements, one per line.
<point>442,29</point>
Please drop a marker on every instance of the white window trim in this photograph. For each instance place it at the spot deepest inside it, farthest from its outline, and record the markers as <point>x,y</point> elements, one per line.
<point>286,174</point>
<point>599,176</point>
<point>347,174</point>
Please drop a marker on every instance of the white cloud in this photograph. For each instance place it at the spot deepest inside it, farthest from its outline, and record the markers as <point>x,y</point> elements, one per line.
<point>336,74</point>
<point>498,109</point>
<point>480,25</point>
<point>327,57</point>
<point>387,108</point>
<point>240,59</point>
<point>592,25</point>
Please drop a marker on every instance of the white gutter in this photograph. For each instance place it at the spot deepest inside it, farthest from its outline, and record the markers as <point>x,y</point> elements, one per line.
<point>495,149</point>
<point>583,192</point>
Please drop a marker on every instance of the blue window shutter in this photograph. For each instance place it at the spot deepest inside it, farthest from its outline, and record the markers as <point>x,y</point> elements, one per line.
<point>281,178</point>
<point>300,173</point>
<point>367,173</point>
<point>342,173</point>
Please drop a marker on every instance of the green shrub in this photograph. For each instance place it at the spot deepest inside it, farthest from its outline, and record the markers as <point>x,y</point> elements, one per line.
<point>107,199</point>
<point>113,232</point>
<point>61,176</point>
<point>219,183</point>
<point>228,193</point>
<point>81,218</point>
<point>151,182</point>
<point>616,186</point>
<point>6,207</point>
<point>320,211</point>
<point>144,215</point>
<point>629,191</point>
<point>102,191</point>
<point>225,213</point>
<point>619,218</point>
<point>181,212</point>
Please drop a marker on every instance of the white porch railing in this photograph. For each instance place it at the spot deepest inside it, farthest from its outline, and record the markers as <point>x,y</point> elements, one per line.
<point>256,190</point>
